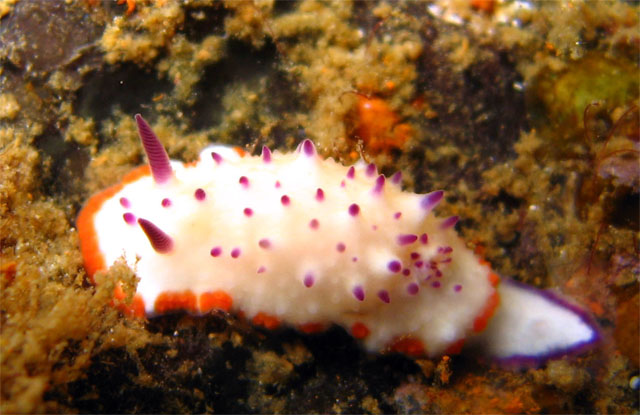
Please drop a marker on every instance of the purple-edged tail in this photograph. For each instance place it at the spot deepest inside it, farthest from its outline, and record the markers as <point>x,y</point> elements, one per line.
<point>531,326</point>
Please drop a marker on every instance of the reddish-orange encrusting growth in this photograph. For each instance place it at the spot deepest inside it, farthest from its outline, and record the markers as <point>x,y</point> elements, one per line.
<point>378,126</point>
<point>131,5</point>
<point>310,328</point>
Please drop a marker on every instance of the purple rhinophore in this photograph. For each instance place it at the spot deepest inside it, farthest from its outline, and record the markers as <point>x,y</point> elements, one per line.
<point>430,200</point>
<point>406,272</point>
<point>371,170</point>
<point>216,251</point>
<point>261,269</point>
<point>354,209</point>
<point>130,218</point>
<point>200,194</point>
<point>235,252</point>
<point>384,296</point>
<point>358,292</point>
<point>314,224</point>
<point>397,215</point>
<point>266,154</point>
<point>449,222</point>
<point>166,202</point>
<point>308,148</point>
<point>248,212</point>
<point>415,255</point>
<point>285,200</point>
<point>124,202</point>
<point>319,195</point>
<point>340,247</point>
<point>309,280</point>
<point>396,178</point>
<point>435,284</point>
<point>351,173</point>
<point>160,241</point>
<point>216,157</point>
<point>264,243</point>
<point>406,239</point>
<point>394,266</point>
<point>244,181</point>
<point>157,155</point>
<point>424,239</point>
<point>379,186</point>
<point>413,288</point>
<point>457,288</point>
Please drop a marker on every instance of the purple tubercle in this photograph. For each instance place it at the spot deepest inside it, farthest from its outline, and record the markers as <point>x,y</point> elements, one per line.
<point>435,284</point>
<point>449,222</point>
<point>379,186</point>
<point>351,173</point>
<point>216,157</point>
<point>396,178</point>
<point>415,255</point>
<point>244,181</point>
<point>124,202</point>
<point>248,212</point>
<point>157,155</point>
<point>413,288</point>
<point>130,218</point>
<point>261,269</point>
<point>457,288</point>
<point>216,251</point>
<point>397,215</point>
<point>406,239</point>
<point>278,184</point>
<point>314,224</point>
<point>418,264</point>
<point>264,243</point>
<point>371,170</point>
<point>266,154</point>
<point>160,241</point>
<point>354,259</point>
<point>319,195</point>
<point>308,148</point>
<point>384,296</point>
<point>394,266</point>
<point>358,292</point>
<point>166,202</point>
<point>354,209</point>
<point>200,194</point>
<point>430,200</point>
<point>235,252</point>
<point>406,272</point>
<point>424,239</point>
<point>309,279</point>
<point>343,183</point>
<point>285,200</point>
<point>340,247</point>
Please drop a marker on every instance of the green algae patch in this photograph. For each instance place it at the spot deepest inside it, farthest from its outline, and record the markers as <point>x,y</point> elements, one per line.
<point>560,98</point>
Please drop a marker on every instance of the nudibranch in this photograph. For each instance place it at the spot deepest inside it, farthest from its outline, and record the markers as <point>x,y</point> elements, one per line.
<point>305,241</point>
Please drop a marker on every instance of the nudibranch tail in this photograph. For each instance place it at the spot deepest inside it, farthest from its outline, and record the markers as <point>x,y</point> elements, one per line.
<point>157,155</point>
<point>532,326</point>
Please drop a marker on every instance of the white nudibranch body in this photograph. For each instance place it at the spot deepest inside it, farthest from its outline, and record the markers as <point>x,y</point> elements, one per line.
<point>296,239</point>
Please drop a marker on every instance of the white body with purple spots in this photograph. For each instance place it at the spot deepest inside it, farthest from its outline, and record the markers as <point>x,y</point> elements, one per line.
<point>308,240</point>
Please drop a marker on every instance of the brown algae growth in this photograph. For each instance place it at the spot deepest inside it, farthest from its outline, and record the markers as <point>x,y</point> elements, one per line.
<point>493,97</point>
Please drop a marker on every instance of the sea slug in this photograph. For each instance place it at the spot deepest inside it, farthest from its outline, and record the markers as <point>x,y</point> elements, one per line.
<point>295,239</point>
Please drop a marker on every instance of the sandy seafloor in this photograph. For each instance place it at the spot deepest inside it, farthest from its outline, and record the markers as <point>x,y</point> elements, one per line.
<point>525,113</point>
